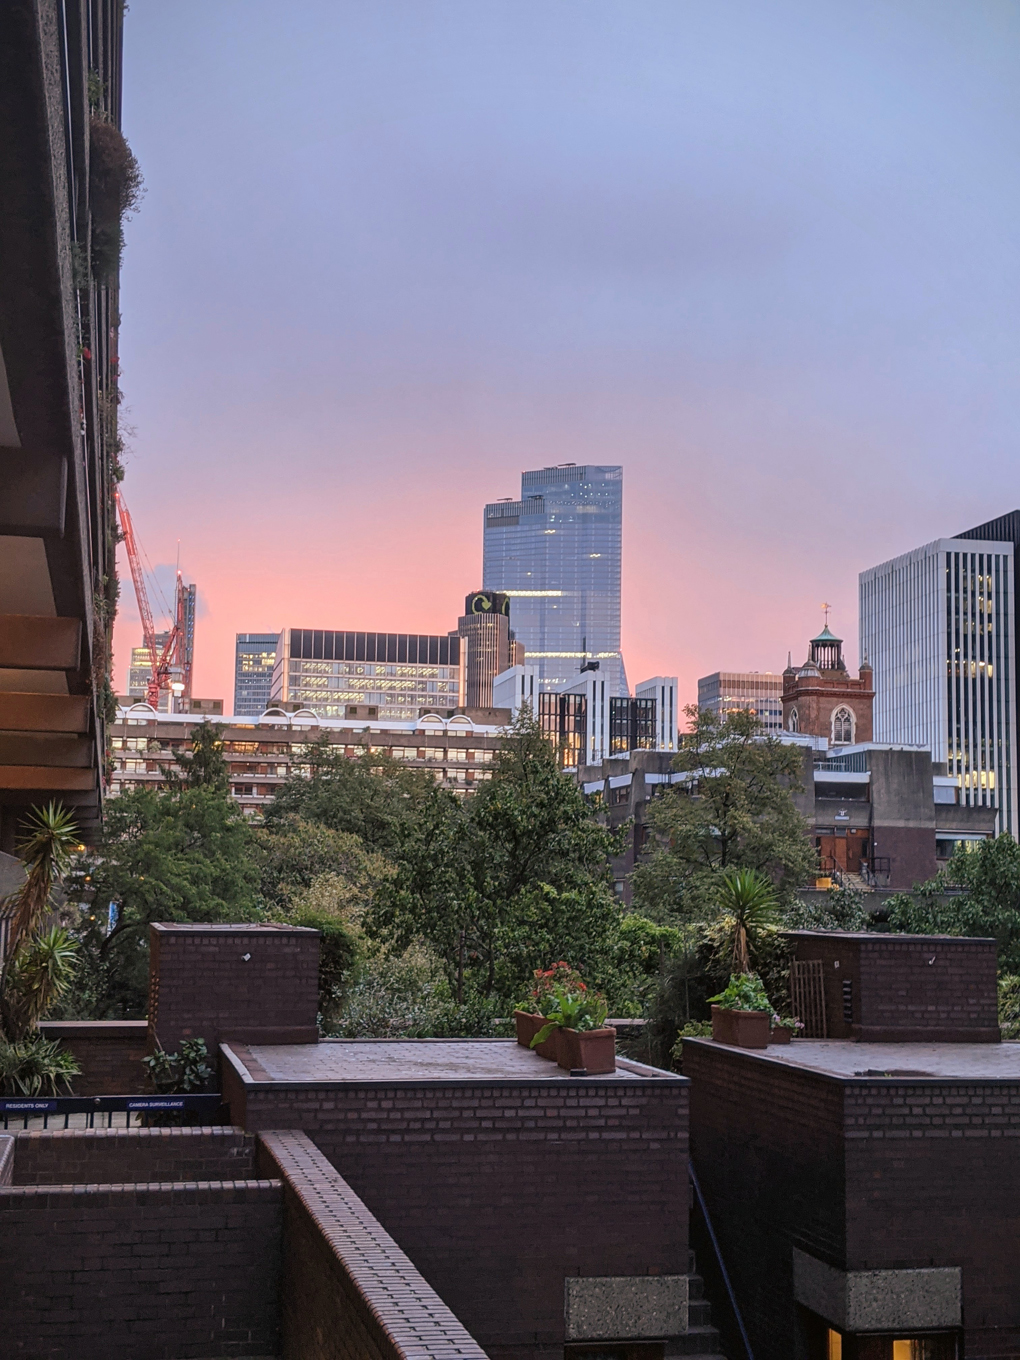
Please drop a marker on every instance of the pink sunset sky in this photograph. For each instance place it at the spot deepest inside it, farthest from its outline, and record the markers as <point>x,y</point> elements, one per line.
<point>393,253</point>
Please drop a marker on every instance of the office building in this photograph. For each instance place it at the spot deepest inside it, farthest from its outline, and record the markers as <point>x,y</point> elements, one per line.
<point>485,625</point>
<point>937,625</point>
<point>140,672</point>
<point>516,686</point>
<point>368,675</point>
<point>187,607</point>
<point>556,552</point>
<point>725,692</point>
<point>254,659</point>
<point>663,689</point>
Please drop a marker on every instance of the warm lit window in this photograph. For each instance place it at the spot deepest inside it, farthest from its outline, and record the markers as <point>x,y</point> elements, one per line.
<point>835,1351</point>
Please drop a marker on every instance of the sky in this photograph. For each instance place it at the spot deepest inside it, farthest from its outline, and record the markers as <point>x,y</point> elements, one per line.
<point>393,252</point>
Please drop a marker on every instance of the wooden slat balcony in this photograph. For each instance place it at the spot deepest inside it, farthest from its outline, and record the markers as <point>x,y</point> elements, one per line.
<point>44,712</point>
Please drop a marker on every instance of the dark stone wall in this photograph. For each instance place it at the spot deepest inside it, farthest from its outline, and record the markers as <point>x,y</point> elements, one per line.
<point>258,984</point>
<point>143,1272</point>
<point>497,1191</point>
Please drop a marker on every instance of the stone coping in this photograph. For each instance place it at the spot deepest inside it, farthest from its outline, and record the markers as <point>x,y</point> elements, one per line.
<point>849,1061</point>
<point>372,1063</point>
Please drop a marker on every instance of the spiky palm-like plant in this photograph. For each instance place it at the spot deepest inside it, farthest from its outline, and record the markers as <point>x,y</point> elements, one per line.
<point>38,975</point>
<point>747,901</point>
<point>46,849</point>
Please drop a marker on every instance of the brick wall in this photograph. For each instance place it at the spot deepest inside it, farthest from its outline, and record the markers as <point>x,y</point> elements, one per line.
<point>109,1052</point>
<point>767,1144</point>
<point>100,1156</point>
<point>907,988</point>
<point>933,1179</point>
<point>347,1289</point>
<point>141,1272</point>
<point>259,984</point>
<point>497,1191</point>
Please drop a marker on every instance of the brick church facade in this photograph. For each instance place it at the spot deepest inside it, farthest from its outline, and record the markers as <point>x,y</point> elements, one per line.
<point>821,698</point>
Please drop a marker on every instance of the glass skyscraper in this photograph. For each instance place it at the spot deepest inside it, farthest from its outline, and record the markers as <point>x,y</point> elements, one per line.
<point>556,552</point>
<point>254,659</point>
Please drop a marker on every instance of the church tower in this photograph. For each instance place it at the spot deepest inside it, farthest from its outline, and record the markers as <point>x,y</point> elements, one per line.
<point>822,699</point>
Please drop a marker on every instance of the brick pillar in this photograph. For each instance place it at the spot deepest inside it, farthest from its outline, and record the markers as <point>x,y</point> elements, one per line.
<point>252,983</point>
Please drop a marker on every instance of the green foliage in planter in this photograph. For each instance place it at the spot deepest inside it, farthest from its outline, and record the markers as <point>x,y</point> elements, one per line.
<point>35,1066</point>
<point>115,190</point>
<point>1009,1005</point>
<point>179,1073</point>
<point>744,992</point>
<point>580,1010</point>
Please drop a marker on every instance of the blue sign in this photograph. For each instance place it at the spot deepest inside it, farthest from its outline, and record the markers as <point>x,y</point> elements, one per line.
<point>157,1103</point>
<point>27,1106</point>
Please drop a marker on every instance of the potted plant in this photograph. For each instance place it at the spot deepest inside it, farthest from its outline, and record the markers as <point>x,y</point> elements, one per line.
<point>743,1015</point>
<point>783,1029</point>
<point>529,1017</point>
<point>575,1023</point>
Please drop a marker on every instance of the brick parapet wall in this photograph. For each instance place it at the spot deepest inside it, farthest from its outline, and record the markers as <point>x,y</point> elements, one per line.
<point>6,1159</point>
<point>109,1052</point>
<point>497,1191</point>
<point>348,1291</point>
<point>98,1156</point>
<point>907,988</point>
<point>169,1272</point>
<point>258,984</point>
<point>903,1174</point>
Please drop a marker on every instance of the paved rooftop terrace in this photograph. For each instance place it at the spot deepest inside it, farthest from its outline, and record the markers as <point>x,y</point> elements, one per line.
<point>382,1060</point>
<point>845,1058</point>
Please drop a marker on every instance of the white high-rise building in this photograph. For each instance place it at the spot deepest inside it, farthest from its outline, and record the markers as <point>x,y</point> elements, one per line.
<point>937,626</point>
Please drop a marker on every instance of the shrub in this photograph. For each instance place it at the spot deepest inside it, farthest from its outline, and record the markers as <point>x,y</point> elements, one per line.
<point>179,1073</point>
<point>744,992</point>
<point>35,1066</point>
<point>115,189</point>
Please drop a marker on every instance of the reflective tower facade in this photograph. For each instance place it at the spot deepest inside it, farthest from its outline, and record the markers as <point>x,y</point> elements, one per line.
<point>556,552</point>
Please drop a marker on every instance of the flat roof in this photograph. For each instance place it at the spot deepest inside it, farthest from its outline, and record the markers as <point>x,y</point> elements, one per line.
<point>847,1059</point>
<point>377,1062</point>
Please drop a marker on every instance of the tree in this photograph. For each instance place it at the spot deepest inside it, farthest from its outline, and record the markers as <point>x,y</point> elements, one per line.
<point>989,874</point>
<point>372,796</point>
<point>735,811</point>
<point>205,767</point>
<point>515,877</point>
<point>181,855</point>
<point>292,854</point>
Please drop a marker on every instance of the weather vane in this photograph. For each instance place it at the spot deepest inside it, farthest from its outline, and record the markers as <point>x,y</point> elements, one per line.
<point>826,607</point>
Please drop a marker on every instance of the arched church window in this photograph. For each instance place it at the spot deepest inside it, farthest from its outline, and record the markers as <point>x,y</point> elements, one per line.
<point>842,727</point>
<point>793,723</point>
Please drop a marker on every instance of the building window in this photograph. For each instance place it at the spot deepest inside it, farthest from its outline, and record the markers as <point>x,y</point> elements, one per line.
<point>842,727</point>
<point>794,723</point>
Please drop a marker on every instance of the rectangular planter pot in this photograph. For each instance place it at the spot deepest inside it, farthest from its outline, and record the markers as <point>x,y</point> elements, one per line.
<point>592,1049</point>
<point>528,1026</point>
<point>742,1029</point>
<point>779,1034</point>
<point>550,1048</point>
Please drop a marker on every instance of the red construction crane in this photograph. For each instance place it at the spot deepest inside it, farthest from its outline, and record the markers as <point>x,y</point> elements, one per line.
<point>165,661</point>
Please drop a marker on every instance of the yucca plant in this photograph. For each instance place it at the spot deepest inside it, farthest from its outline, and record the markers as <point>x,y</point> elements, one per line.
<point>36,977</point>
<point>747,901</point>
<point>46,850</point>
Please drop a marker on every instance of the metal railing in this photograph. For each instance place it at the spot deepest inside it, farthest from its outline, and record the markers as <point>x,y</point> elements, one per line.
<point>724,1273</point>
<point>59,1108</point>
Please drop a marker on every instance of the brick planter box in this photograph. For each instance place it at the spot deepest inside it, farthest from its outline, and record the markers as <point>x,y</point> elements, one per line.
<point>591,1049</point>
<point>742,1029</point>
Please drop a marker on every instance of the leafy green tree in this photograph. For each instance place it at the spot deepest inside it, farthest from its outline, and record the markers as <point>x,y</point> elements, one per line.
<point>372,796</point>
<point>736,811</point>
<point>989,905</point>
<point>507,881</point>
<point>292,854</point>
<point>182,855</point>
<point>205,766</point>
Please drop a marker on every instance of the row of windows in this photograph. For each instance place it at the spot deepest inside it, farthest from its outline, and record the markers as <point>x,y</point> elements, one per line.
<point>413,648</point>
